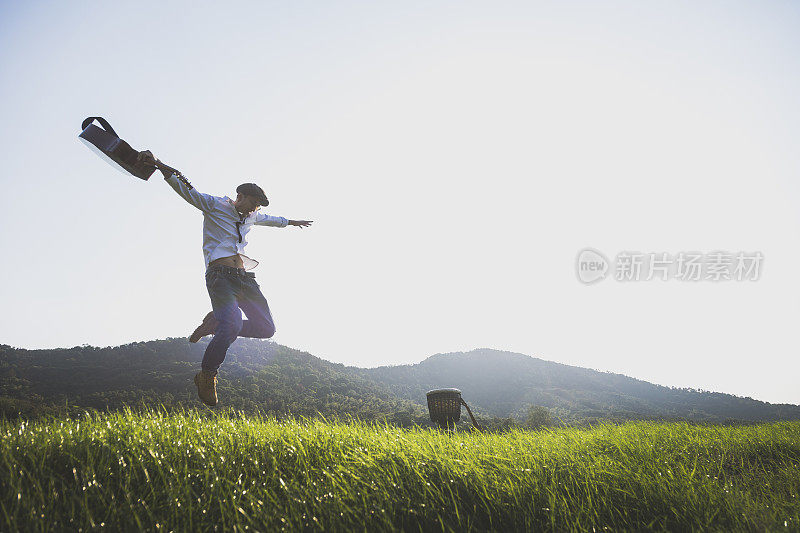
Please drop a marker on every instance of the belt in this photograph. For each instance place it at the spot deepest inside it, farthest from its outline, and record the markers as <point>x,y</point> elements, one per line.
<point>231,270</point>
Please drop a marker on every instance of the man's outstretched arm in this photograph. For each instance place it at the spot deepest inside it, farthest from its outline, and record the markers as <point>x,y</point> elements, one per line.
<point>279,222</point>
<point>177,181</point>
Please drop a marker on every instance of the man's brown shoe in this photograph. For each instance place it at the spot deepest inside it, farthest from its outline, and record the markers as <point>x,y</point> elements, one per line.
<point>208,327</point>
<point>207,387</point>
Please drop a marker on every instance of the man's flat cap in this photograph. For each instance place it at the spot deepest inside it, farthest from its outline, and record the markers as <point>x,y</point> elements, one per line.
<point>251,189</point>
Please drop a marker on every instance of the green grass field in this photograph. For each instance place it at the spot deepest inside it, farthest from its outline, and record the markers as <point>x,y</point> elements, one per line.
<point>195,471</point>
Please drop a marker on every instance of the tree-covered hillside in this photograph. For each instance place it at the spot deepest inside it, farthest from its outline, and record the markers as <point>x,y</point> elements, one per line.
<point>256,376</point>
<point>263,376</point>
<point>505,384</point>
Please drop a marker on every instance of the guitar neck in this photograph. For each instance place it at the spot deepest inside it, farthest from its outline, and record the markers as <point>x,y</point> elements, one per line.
<point>162,166</point>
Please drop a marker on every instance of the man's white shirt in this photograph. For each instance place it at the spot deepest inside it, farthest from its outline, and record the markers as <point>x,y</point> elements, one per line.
<point>220,221</point>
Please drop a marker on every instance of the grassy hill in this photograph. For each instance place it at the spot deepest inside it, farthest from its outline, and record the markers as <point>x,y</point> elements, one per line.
<point>261,376</point>
<point>198,471</point>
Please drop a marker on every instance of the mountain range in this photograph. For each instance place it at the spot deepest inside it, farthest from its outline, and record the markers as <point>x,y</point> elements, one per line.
<point>258,375</point>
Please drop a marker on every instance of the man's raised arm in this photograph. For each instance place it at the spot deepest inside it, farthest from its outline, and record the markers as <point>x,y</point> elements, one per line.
<point>177,181</point>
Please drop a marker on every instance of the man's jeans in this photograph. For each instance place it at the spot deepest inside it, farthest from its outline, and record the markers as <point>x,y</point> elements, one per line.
<point>231,289</point>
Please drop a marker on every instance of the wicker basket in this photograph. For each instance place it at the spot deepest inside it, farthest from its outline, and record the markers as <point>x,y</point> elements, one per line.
<point>444,406</point>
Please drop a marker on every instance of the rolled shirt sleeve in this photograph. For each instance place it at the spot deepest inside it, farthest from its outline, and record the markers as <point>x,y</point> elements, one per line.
<point>203,202</point>
<point>269,220</point>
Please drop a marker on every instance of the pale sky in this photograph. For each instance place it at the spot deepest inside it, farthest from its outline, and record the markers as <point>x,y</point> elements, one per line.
<point>455,157</point>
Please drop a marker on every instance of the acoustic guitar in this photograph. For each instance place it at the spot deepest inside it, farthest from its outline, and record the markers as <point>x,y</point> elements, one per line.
<point>106,143</point>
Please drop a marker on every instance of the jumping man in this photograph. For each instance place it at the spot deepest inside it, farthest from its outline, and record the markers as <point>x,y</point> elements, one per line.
<point>230,285</point>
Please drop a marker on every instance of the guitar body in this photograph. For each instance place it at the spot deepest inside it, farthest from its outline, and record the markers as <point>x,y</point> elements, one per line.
<point>107,144</point>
